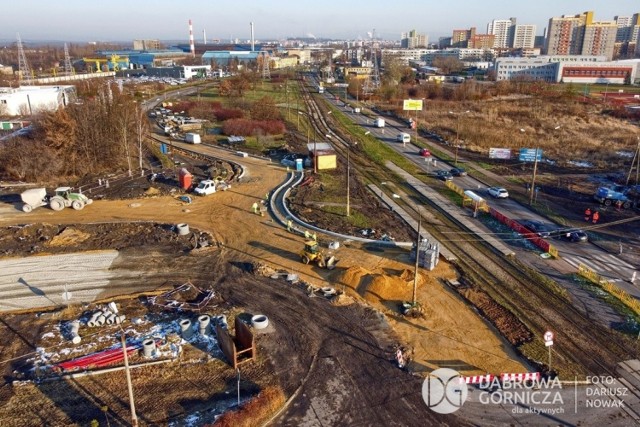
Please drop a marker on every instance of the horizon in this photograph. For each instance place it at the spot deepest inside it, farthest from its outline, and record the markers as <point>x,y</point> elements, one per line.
<point>166,21</point>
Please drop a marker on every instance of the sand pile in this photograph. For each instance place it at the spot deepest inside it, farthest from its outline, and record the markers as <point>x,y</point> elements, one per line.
<point>375,286</point>
<point>69,236</point>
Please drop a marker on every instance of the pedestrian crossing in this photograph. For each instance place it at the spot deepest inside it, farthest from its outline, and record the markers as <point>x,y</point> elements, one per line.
<point>606,265</point>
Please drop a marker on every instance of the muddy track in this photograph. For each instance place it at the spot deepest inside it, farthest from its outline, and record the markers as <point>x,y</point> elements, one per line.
<point>353,381</point>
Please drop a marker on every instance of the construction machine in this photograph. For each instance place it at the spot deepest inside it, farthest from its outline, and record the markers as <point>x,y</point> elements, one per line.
<point>312,252</point>
<point>64,198</point>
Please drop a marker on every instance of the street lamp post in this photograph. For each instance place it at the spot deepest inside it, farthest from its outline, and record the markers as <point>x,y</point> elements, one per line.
<point>458,115</point>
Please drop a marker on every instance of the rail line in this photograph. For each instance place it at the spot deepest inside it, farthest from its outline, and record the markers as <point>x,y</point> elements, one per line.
<point>581,344</point>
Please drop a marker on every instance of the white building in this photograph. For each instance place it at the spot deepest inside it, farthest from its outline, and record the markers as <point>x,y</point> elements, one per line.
<point>502,29</point>
<point>567,69</point>
<point>27,100</point>
<point>524,36</point>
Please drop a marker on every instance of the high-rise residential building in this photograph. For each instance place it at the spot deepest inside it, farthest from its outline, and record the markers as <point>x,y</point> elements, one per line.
<point>460,37</point>
<point>413,40</point>
<point>624,28</point>
<point>580,35</point>
<point>524,36</point>
<point>502,29</point>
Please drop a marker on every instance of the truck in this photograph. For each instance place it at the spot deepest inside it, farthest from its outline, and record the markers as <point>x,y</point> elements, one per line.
<point>192,138</point>
<point>403,137</point>
<point>379,122</point>
<point>609,196</point>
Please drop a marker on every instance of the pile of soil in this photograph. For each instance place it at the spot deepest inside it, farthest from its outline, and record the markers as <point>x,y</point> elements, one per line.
<point>48,238</point>
<point>506,322</point>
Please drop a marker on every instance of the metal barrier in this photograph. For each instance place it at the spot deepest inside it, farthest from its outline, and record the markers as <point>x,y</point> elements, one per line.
<point>632,303</point>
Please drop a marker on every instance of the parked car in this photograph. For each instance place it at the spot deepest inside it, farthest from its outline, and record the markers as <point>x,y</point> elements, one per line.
<point>498,192</point>
<point>444,175</point>
<point>542,229</point>
<point>424,152</point>
<point>458,171</point>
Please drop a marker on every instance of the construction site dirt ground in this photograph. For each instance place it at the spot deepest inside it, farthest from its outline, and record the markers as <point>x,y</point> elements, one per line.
<point>452,334</point>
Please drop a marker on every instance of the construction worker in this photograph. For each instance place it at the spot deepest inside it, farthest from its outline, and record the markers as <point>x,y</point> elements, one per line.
<point>587,214</point>
<point>596,216</point>
<point>618,205</point>
<point>289,225</point>
<point>255,207</point>
<point>314,237</point>
<point>307,236</point>
<point>266,197</point>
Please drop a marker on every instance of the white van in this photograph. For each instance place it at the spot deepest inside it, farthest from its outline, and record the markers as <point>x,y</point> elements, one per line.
<point>192,138</point>
<point>379,122</point>
<point>403,137</point>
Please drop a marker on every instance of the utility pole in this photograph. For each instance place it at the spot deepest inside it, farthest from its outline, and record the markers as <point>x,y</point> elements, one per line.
<point>348,178</point>
<point>533,179</point>
<point>636,158</point>
<point>134,418</point>
<point>415,273</point>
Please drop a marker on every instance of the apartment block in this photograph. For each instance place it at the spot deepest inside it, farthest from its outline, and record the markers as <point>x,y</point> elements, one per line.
<point>502,29</point>
<point>413,40</point>
<point>581,35</point>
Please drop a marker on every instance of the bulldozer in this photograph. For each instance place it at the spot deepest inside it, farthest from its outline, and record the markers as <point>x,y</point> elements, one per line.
<point>312,252</point>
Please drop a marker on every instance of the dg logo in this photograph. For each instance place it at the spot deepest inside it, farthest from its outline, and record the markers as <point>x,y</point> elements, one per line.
<point>444,391</point>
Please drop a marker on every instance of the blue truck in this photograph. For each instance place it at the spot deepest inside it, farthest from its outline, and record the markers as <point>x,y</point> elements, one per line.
<point>612,196</point>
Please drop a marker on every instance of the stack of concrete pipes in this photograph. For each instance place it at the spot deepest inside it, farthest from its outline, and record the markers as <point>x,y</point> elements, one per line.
<point>108,315</point>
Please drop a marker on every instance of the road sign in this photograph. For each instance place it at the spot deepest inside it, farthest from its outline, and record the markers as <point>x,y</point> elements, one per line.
<point>412,104</point>
<point>500,153</point>
<point>529,154</point>
<point>548,339</point>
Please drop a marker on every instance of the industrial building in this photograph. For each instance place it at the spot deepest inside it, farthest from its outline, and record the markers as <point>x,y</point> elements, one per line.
<point>180,72</point>
<point>27,100</point>
<point>568,69</point>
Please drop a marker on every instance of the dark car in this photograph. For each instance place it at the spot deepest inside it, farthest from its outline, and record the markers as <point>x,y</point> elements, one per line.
<point>458,171</point>
<point>542,229</point>
<point>444,175</point>
<point>572,235</point>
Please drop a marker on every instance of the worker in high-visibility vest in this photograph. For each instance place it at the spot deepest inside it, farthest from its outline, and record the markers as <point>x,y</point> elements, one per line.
<point>596,216</point>
<point>587,214</point>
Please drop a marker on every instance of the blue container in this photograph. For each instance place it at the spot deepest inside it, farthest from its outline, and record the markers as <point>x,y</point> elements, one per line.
<point>163,148</point>
<point>299,165</point>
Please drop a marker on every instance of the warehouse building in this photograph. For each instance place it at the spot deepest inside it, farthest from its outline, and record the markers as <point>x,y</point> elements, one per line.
<point>27,100</point>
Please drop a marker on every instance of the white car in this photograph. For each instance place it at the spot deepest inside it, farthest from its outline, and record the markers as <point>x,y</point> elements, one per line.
<point>498,192</point>
<point>209,186</point>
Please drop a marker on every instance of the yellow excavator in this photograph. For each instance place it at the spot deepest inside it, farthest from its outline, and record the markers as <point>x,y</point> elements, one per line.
<point>312,252</point>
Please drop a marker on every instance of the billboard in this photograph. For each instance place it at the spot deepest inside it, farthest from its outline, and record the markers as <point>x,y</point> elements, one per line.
<point>412,104</point>
<point>529,154</point>
<point>500,153</point>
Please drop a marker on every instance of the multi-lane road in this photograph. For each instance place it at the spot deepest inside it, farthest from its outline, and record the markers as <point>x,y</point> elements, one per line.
<point>618,268</point>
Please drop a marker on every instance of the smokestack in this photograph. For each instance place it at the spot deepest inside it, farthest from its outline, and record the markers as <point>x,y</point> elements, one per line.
<point>204,36</point>
<point>252,42</point>
<point>192,44</point>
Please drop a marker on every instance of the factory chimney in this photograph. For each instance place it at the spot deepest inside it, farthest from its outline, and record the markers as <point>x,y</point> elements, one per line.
<point>252,42</point>
<point>204,36</point>
<point>192,45</point>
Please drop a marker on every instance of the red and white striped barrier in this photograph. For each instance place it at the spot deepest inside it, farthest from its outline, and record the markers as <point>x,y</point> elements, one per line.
<point>527,376</point>
<point>488,378</point>
<point>477,379</point>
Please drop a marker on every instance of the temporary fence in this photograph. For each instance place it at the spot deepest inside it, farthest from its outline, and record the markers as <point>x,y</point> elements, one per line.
<point>608,286</point>
<point>526,233</point>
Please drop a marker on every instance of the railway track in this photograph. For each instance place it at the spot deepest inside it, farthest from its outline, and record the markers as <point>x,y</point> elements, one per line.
<point>582,347</point>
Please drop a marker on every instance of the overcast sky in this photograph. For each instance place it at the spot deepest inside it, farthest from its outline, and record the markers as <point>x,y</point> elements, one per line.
<point>120,20</point>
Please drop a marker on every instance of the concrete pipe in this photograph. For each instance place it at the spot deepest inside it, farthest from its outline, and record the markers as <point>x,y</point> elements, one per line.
<point>92,321</point>
<point>148,348</point>
<point>183,229</point>
<point>111,319</point>
<point>120,319</point>
<point>203,324</point>
<point>75,327</point>
<point>185,327</point>
<point>292,277</point>
<point>113,307</point>
<point>222,321</point>
<point>259,321</point>
<point>101,320</point>
<point>328,291</point>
